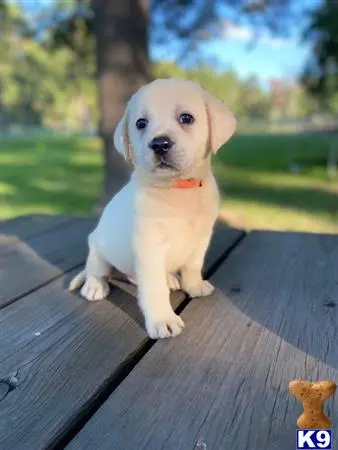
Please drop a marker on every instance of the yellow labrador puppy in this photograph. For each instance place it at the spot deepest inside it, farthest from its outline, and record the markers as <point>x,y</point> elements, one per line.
<point>159,225</point>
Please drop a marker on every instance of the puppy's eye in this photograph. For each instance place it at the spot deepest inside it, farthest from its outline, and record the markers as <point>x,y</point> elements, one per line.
<point>141,124</point>
<point>186,119</point>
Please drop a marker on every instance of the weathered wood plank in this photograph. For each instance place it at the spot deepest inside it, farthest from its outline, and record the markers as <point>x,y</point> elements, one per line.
<point>26,264</point>
<point>221,239</point>
<point>14,231</point>
<point>65,352</point>
<point>30,225</point>
<point>225,380</point>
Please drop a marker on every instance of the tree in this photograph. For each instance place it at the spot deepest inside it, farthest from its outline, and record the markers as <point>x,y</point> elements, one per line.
<point>189,22</point>
<point>321,72</point>
<point>36,82</point>
<point>121,30</point>
<point>39,76</point>
<point>118,29</point>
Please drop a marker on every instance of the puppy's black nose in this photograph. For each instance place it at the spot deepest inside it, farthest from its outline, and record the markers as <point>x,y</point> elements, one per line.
<point>161,145</point>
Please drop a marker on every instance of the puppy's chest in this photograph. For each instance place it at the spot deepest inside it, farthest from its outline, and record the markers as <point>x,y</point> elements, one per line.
<point>193,216</point>
<point>186,233</point>
<point>181,219</point>
<point>182,239</point>
<point>194,220</point>
<point>188,229</point>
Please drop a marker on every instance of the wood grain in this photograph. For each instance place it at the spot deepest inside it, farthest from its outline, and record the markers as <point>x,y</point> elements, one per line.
<point>28,263</point>
<point>225,379</point>
<point>65,353</point>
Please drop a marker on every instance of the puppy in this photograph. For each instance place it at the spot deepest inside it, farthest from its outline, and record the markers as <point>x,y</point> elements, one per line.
<point>160,224</point>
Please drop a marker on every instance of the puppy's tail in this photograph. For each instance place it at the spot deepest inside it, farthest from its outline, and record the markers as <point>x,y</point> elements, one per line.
<point>77,281</point>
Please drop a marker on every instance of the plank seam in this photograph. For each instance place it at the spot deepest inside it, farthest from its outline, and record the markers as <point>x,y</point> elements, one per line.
<point>41,285</point>
<point>103,393</point>
<point>219,261</point>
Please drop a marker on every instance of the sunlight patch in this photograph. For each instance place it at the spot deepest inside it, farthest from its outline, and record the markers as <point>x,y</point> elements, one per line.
<point>6,188</point>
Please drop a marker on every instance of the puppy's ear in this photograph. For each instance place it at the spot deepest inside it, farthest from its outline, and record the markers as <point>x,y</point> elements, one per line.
<point>222,122</point>
<point>121,138</point>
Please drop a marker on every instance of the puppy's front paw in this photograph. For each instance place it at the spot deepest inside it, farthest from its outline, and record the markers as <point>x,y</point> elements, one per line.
<point>200,289</point>
<point>173,282</point>
<point>162,328</point>
<point>95,289</point>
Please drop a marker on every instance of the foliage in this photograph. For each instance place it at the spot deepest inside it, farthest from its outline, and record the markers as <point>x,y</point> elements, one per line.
<point>321,73</point>
<point>40,84</point>
<point>245,97</point>
<point>47,71</point>
<point>190,22</point>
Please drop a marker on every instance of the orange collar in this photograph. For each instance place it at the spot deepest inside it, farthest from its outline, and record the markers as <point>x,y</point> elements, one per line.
<point>188,184</point>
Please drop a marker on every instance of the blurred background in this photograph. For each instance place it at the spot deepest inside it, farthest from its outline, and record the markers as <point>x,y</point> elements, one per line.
<point>67,68</point>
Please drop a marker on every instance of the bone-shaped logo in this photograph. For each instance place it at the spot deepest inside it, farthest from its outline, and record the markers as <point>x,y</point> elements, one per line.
<point>313,395</point>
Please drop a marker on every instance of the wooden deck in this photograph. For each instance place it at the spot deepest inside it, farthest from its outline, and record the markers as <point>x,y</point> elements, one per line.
<point>81,375</point>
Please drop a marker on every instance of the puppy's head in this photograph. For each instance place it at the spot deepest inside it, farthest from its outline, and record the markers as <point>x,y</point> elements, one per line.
<point>171,126</point>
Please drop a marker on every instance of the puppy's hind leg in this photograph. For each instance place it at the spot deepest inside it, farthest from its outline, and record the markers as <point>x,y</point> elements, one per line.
<point>97,270</point>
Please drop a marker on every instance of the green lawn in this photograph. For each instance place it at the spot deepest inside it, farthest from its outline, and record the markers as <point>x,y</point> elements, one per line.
<point>63,176</point>
<point>49,175</point>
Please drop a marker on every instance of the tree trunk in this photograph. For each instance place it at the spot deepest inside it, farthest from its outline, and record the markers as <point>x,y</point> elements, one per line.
<point>121,31</point>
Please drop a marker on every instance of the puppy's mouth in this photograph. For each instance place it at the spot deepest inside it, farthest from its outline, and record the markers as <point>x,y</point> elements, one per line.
<point>164,164</point>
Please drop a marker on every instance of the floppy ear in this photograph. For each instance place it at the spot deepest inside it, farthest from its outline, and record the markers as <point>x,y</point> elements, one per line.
<point>121,138</point>
<point>222,122</point>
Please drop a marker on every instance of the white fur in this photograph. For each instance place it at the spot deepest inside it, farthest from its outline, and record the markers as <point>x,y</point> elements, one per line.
<point>150,230</point>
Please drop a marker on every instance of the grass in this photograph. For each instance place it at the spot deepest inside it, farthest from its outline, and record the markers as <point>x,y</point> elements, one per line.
<point>260,191</point>
<point>49,175</point>
<point>63,176</point>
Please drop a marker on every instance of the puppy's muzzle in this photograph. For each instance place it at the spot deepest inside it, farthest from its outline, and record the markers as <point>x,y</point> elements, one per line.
<point>161,145</point>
